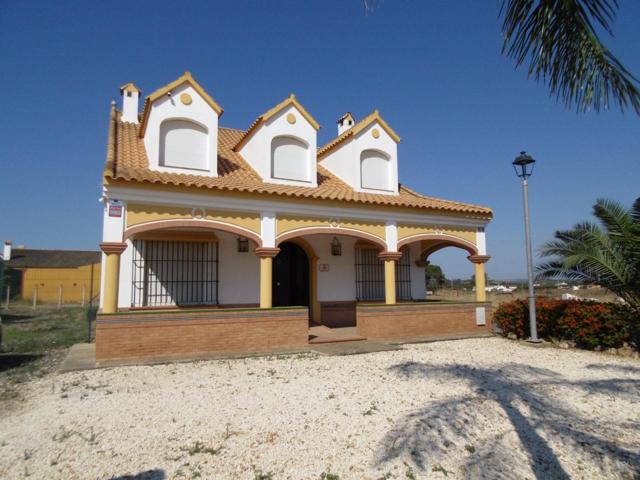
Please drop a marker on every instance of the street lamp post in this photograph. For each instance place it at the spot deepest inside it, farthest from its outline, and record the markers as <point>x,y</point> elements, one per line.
<point>523,165</point>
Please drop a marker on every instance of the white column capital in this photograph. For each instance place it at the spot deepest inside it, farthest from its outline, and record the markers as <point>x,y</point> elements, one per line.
<point>481,241</point>
<point>268,229</point>
<point>391,233</point>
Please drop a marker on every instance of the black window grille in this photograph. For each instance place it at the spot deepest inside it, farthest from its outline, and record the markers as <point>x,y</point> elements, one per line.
<point>167,273</point>
<point>370,275</point>
<point>403,275</point>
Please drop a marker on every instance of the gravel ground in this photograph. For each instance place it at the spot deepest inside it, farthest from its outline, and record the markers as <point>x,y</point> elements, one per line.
<point>477,408</point>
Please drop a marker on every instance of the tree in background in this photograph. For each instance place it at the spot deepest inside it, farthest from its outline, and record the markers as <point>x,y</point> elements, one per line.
<point>607,253</point>
<point>434,277</point>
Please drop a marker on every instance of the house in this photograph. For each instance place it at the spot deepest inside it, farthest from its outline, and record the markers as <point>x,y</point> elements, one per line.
<point>68,276</point>
<point>224,240</point>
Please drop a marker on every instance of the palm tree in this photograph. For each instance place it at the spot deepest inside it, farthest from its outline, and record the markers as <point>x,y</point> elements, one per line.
<point>560,39</point>
<point>607,254</point>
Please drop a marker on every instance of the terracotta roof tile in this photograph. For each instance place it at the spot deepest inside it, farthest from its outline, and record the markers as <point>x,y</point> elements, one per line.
<point>127,160</point>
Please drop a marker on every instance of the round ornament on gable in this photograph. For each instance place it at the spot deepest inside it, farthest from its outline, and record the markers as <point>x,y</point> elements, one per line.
<point>375,133</point>
<point>291,118</point>
<point>186,99</point>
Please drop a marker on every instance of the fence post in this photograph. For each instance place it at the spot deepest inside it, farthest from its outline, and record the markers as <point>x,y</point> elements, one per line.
<point>35,296</point>
<point>60,296</point>
<point>8,295</point>
<point>83,293</point>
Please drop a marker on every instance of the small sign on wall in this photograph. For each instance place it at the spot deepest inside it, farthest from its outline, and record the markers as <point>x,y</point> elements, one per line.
<point>323,267</point>
<point>115,208</point>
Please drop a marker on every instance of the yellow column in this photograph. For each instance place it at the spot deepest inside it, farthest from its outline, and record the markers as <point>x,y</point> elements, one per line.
<point>479,261</point>
<point>266,274</point>
<point>112,250</point>
<point>313,287</point>
<point>266,289</point>
<point>390,259</point>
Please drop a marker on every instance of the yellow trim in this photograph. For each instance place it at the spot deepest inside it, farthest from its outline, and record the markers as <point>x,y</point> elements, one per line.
<point>290,100</point>
<point>129,87</point>
<point>111,274</point>
<point>157,187</point>
<point>178,236</point>
<point>185,78</point>
<point>266,289</point>
<point>390,282</point>
<point>357,128</point>
<point>138,213</point>
<point>481,294</point>
<point>405,230</point>
<point>288,223</point>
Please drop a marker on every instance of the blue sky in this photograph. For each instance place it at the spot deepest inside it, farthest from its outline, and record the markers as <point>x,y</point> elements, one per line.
<point>432,68</point>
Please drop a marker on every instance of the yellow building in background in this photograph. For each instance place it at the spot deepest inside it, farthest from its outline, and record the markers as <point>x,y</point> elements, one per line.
<point>69,276</point>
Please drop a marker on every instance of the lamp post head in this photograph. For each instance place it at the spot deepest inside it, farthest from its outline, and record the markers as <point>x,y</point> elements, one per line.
<point>523,165</point>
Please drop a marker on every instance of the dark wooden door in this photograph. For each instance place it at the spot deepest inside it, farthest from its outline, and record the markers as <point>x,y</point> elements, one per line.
<point>291,277</point>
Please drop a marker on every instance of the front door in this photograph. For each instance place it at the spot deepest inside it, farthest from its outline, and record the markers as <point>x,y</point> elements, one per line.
<point>291,277</point>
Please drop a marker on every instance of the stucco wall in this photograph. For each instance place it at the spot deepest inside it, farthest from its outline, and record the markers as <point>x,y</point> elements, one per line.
<point>257,151</point>
<point>339,283</point>
<point>345,160</point>
<point>199,111</point>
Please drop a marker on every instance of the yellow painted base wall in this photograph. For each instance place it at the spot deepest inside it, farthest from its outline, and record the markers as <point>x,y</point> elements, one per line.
<point>48,281</point>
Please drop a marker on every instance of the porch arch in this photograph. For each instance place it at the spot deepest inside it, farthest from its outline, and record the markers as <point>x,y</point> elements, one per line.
<point>437,242</point>
<point>347,232</point>
<point>201,224</point>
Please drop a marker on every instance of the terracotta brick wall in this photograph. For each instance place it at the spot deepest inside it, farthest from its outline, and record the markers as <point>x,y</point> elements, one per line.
<point>130,336</point>
<point>421,320</point>
<point>338,314</point>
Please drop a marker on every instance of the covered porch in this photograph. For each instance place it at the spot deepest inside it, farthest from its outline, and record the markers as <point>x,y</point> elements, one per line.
<point>178,287</point>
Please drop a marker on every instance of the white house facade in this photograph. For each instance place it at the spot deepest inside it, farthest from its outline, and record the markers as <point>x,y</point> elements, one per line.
<point>225,240</point>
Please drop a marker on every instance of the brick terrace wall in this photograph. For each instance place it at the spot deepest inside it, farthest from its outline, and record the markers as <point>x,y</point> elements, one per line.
<point>338,314</point>
<point>421,320</point>
<point>174,334</point>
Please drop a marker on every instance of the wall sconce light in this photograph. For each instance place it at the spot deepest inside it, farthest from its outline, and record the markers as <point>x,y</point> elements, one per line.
<point>243,244</point>
<point>336,247</point>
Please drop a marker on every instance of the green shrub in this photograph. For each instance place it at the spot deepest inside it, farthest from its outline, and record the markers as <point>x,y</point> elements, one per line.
<point>588,324</point>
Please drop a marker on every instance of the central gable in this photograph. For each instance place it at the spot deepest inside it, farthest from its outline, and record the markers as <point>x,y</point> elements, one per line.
<point>281,145</point>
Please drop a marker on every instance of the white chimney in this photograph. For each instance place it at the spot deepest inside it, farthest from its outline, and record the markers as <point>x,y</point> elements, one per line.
<point>345,122</point>
<point>6,254</point>
<point>130,96</point>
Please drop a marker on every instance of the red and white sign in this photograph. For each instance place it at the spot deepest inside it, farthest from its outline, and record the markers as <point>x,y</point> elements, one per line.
<point>115,209</point>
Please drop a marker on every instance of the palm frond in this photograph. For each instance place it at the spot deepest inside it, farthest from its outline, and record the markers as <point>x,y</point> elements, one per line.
<point>613,215</point>
<point>564,51</point>
<point>607,254</point>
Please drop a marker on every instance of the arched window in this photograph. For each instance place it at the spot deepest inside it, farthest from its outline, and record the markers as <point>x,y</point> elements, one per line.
<point>183,144</point>
<point>374,170</point>
<point>289,159</point>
